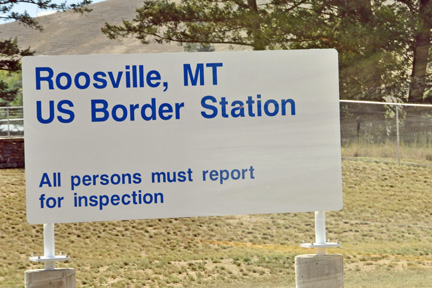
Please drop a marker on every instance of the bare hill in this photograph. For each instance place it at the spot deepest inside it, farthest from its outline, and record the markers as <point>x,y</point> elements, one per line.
<point>70,33</point>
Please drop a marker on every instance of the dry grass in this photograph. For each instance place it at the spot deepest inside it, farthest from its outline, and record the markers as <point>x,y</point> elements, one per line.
<point>385,228</point>
<point>407,153</point>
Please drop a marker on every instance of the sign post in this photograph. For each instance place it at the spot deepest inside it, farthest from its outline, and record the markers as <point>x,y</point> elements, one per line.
<point>320,243</point>
<point>320,270</point>
<point>49,258</point>
<point>50,276</point>
<point>122,137</point>
<point>49,245</point>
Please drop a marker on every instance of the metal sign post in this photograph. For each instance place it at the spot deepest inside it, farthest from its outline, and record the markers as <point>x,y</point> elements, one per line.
<point>319,270</point>
<point>49,257</point>
<point>50,276</point>
<point>320,243</point>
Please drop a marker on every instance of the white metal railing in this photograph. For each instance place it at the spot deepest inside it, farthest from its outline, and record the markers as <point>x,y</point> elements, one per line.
<point>11,121</point>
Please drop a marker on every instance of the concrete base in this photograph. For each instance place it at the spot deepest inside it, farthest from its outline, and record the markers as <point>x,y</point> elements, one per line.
<point>319,271</point>
<point>58,278</point>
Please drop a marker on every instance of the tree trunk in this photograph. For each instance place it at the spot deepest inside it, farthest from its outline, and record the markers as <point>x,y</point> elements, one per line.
<point>258,39</point>
<point>422,44</point>
<point>364,8</point>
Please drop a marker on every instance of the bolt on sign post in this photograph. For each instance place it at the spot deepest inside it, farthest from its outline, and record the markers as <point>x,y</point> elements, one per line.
<point>118,137</point>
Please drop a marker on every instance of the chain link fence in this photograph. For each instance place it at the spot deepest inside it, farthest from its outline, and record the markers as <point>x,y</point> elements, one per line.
<point>398,131</point>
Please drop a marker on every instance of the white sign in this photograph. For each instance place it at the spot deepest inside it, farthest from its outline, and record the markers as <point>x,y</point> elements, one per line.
<point>117,137</point>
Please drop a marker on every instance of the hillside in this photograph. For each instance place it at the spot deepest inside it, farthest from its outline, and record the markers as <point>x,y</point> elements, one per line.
<point>70,33</point>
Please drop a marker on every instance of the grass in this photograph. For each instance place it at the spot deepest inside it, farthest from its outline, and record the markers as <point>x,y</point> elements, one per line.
<point>408,152</point>
<point>385,228</point>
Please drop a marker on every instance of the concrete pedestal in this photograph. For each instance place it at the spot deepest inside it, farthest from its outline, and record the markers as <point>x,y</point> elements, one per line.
<point>319,271</point>
<point>57,278</point>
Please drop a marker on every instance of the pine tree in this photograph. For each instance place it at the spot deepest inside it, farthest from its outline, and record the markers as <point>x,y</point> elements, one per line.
<point>379,42</point>
<point>10,52</point>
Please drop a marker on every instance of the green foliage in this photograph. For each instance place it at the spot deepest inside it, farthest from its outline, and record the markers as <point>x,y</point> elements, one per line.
<point>7,6</point>
<point>195,21</point>
<point>370,39</point>
<point>10,52</point>
<point>10,56</point>
<point>376,40</point>
<point>12,82</point>
<point>195,47</point>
